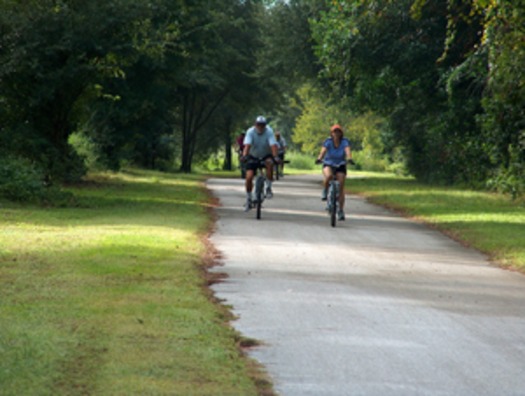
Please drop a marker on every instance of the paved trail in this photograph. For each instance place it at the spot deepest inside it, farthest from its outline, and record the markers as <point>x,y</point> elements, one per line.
<point>380,305</point>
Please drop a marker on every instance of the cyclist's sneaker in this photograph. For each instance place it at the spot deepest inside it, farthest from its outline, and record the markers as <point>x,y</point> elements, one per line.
<point>248,205</point>
<point>269,193</point>
<point>324,194</point>
<point>340,215</point>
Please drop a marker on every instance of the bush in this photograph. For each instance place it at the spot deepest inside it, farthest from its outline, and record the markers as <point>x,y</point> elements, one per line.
<point>22,181</point>
<point>300,161</point>
<point>86,149</point>
<point>510,180</point>
<point>366,161</point>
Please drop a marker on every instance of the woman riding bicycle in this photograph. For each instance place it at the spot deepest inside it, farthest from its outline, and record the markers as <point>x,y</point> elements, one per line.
<point>335,151</point>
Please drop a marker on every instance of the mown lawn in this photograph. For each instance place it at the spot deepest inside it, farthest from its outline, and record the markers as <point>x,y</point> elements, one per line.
<point>491,223</point>
<point>109,297</point>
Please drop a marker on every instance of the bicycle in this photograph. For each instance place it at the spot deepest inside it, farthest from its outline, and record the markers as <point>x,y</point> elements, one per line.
<point>333,192</point>
<point>260,184</point>
<point>277,169</point>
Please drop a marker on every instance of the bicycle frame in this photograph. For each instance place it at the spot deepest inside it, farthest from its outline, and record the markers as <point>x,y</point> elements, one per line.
<point>260,184</point>
<point>334,190</point>
<point>333,197</point>
<point>278,170</point>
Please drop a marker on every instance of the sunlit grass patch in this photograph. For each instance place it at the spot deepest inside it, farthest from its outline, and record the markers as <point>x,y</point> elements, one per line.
<point>492,223</point>
<point>108,297</point>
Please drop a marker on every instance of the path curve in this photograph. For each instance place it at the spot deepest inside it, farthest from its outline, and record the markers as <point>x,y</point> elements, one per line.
<point>379,305</point>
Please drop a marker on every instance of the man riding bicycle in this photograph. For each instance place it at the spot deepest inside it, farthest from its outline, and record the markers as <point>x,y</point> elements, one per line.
<point>281,149</point>
<point>259,143</point>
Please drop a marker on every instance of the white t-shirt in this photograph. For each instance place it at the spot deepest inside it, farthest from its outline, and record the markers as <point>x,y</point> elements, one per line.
<point>281,145</point>
<point>260,144</point>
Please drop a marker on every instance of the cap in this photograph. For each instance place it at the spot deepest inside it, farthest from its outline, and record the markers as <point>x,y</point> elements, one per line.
<point>260,120</point>
<point>336,126</point>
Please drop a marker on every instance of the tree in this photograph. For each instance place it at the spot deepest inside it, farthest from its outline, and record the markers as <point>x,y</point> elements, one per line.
<point>442,73</point>
<point>52,56</point>
<point>219,70</point>
<point>387,57</point>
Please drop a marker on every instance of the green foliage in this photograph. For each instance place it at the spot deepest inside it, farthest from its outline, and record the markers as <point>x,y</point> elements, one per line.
<point>316,117</point>
<point>365,131</point>
<point>20,180</point>
<point>511,179</point>
<point>135,77</point>
<point>300,161</point>
<point>85,148</point>
<point>23,181</point>
<point>504,101</point>
<point>457,109</point>
<point>52,57</point>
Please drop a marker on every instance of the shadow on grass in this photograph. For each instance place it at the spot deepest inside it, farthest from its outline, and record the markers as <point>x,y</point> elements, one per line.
<point>490,222</point>
<point>167,202</point>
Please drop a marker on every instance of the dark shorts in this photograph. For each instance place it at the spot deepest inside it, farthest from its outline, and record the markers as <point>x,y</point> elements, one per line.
<point>253,163</point>
<point>339,169</point>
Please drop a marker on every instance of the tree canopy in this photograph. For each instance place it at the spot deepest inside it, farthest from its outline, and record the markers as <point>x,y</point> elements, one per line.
<point>443,74</point>
<point>439,84</point>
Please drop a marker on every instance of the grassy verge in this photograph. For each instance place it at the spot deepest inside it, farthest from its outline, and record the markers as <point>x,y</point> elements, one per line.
<point>491,223</point>
<point>109,297</point>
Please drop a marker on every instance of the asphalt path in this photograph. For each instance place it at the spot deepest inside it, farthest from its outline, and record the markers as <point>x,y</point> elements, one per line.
<point>379,305</point>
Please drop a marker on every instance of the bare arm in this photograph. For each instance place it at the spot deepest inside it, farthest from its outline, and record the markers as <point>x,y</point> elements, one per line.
<point>274,150</point>
<point>322,153</point>
<point>246,150</point>
<point>348,153</point>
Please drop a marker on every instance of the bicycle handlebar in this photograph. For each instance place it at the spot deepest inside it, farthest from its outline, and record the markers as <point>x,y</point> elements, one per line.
<point>350,161</point>
<point>261,161</point>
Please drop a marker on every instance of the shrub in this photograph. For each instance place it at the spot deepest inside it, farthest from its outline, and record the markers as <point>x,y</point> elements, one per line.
<point>300,161</point>
<point>22,181</point>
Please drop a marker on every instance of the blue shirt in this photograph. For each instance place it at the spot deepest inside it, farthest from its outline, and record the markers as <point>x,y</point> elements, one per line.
<point>335,155</point>
<point>260,144</point>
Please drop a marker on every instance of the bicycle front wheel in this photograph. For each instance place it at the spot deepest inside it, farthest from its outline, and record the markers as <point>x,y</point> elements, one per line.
<point>259,191</point>
<point>333,204</point>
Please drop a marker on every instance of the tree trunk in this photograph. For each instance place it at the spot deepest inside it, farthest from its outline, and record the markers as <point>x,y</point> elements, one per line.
<point>196,111</point>
<point>228,165</point>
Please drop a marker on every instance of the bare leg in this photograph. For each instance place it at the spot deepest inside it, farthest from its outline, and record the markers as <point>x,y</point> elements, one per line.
<point>249,181</point>
<point>269,169</point>
<point>341,177</point>
<point>327,172</point>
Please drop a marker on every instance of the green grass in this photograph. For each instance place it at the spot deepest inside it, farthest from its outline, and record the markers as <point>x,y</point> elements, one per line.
<point>491,223</point>
<point>109,297</point>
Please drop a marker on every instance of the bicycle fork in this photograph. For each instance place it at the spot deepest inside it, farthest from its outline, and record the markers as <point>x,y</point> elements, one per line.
<point>333,195</point>
<point>260,185</point>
